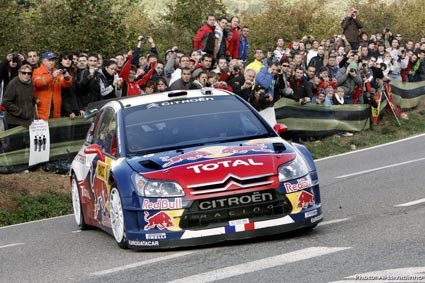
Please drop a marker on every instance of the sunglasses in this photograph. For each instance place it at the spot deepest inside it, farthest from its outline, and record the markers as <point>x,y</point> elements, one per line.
<point>285,65</point>
<point>26,73</point>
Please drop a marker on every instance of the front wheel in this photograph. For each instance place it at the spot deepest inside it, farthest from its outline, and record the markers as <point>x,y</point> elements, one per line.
<point>117,218</point>
<point>77,206</point>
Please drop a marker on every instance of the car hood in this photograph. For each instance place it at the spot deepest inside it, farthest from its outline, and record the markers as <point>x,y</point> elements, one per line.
<point>216,163</point>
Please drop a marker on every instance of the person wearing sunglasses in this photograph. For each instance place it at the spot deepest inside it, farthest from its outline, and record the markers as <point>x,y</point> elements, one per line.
<point>19,100</point>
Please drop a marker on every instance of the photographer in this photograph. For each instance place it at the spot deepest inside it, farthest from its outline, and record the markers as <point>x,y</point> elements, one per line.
<point>48,82</point>
<point>348,78</point>
<point>9,67</point>
<point>136,53</point>
<point>259,99</point>
<point>351,25</point>
<point>71,104</point>
<point>242,84</point>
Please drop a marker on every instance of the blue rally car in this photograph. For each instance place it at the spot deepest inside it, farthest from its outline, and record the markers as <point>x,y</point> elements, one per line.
<point>191,167</point>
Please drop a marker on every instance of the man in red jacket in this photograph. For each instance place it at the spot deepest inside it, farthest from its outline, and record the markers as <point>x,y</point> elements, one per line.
<point>200,41</point>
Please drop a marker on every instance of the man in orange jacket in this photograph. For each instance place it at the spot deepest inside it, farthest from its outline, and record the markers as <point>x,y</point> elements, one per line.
<point>48,82</point>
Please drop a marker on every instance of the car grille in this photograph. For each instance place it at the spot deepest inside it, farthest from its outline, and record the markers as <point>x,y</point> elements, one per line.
<point>231,182</point>
<point>213,212</point>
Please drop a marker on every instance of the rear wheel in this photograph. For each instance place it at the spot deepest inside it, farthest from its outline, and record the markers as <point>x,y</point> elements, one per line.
<point>76,204</point>
<point>117,218</point>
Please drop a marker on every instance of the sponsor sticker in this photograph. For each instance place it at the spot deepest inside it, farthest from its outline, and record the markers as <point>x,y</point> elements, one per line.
<point>144,243</point>
<point>310,213</point>
<point>299,186</point>
<point>160,220</point>
<point>317,218</point>
<point>161,204</point>
<point>239,222</point>
<point>305,200</point>
<point>226,164</point>
<point>156,236</point>
<point>101,170</point>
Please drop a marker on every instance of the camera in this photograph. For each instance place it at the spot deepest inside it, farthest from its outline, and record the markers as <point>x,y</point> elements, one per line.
<point>142,38</point>
<point>15,57</point>
<point>364,65</point>
<point>353,15</point>
<point>303,101</point>
<point>236,69</point>
<point>62,71</point>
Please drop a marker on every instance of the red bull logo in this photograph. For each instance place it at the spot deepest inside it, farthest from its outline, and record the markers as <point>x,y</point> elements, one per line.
<point>305,200</point>
<point>245,149</point>
<point>193,155</point>
<point>300,185</point>
<point>160,220</point>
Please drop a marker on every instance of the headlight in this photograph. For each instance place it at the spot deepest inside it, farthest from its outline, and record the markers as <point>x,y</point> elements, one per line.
<point>293,170</point>
<point>156,188</point>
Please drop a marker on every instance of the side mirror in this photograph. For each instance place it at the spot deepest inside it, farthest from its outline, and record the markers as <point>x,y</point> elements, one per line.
<point>95,149</point>
<point>280,128</point>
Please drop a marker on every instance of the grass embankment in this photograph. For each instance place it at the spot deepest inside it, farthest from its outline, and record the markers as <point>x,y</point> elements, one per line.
<point>28,203</point>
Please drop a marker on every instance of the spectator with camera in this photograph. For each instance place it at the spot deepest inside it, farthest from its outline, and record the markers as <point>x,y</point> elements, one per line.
<point>107,84</point>
<point>260,99</point>
<point>48,83</point>
<point>9,68</point>
<point>348,79</point>
<point>351,26</point>
<point>271,78</point>
<point>19,100</point>
<point>132,84</point>
<point>71,105</point>
<point>242,84</point>
<point>138,50</point>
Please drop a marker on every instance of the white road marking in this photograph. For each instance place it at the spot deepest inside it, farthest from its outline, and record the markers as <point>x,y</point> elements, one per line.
<point>412,202</point>
<point>76,231</point>
<point>141,263</point>
<point>35,221</point>
<point>260,264</point>
<point>369,148</point>
<point>333,221</point>
<point>380,168</point>
<point>12,245</point>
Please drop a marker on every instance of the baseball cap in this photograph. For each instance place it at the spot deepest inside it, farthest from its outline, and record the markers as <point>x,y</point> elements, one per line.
<point>48,55</point>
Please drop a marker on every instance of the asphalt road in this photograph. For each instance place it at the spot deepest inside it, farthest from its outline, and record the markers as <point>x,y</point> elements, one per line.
<point>374,228</point>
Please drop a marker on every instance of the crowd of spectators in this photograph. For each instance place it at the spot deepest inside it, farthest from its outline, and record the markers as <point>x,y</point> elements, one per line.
<point>344,69</point>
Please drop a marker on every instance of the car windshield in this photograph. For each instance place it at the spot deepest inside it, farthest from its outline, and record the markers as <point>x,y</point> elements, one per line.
<point>188,122</point>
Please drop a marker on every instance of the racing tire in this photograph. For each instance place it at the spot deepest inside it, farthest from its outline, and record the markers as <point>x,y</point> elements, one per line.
<point>77,206</point>
<point>117,218</point>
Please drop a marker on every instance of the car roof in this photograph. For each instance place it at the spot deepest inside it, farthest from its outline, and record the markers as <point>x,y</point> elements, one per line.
<point>170,95</point>
<point>131,101</point>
